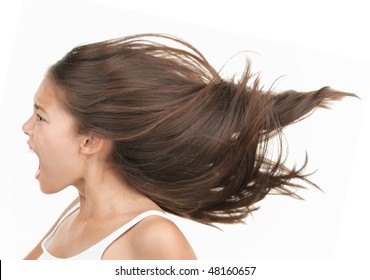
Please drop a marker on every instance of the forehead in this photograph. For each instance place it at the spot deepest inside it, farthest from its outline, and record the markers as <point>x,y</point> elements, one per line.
<point>44,95</point>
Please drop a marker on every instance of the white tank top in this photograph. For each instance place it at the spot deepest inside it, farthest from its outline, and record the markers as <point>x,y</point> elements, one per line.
<point>96,251</point>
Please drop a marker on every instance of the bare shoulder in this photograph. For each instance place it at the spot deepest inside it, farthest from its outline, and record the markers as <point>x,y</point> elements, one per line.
<point>155,238</point>
<point>159,238</point>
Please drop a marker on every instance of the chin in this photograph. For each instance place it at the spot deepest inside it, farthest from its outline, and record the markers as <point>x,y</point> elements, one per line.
<point>50,190</point>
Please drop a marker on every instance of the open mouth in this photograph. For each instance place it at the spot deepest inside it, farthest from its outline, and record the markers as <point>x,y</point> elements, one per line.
<point>30,149</point>
<point>37,174</point>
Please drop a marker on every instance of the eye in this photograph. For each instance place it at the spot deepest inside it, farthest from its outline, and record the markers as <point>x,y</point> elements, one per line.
<point>39,118</point>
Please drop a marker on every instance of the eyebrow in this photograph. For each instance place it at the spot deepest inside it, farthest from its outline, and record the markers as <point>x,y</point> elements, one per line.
<point>38,107</point>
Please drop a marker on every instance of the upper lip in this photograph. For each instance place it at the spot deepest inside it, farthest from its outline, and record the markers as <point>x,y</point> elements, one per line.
<point>31,147</point>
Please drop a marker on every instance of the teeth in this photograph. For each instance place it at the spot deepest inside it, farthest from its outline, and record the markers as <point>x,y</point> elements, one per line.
<point>30,148</point>
<point>37,172</point>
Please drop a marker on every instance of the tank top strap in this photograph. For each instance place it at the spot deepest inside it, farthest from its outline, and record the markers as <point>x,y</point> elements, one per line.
<point>95,252</point>
<point>69,212</point>
<point>101,246</point>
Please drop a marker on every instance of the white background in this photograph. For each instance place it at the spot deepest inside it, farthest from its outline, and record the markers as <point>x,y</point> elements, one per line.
<point>311,44</point>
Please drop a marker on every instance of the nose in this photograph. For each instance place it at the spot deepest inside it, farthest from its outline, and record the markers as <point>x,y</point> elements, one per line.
<point>27,127</point>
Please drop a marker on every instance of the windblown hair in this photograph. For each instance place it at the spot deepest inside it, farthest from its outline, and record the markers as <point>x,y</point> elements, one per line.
<point>193,142</point>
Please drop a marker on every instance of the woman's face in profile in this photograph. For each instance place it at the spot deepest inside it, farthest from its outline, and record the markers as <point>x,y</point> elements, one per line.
<point>53,139</point>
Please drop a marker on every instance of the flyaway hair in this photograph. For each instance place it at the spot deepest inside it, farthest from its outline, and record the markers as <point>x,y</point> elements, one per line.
<point>192,141</point>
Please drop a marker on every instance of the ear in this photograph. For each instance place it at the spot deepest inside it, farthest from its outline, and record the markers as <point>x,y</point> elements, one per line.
<point>91,144</point>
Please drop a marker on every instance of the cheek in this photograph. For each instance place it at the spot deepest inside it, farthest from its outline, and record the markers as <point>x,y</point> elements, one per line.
<point>58,171</point>
<point>61,163</point>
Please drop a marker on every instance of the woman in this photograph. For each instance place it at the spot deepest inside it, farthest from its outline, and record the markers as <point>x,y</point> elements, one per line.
<point>141,127</point>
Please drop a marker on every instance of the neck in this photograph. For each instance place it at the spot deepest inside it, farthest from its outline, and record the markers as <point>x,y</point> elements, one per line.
<point>103,192</point>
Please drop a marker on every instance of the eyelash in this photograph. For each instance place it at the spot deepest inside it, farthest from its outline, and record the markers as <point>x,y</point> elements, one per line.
<point>39,118</point>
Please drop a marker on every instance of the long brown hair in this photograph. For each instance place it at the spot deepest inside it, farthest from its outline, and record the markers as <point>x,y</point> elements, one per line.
<point>193,142</point>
